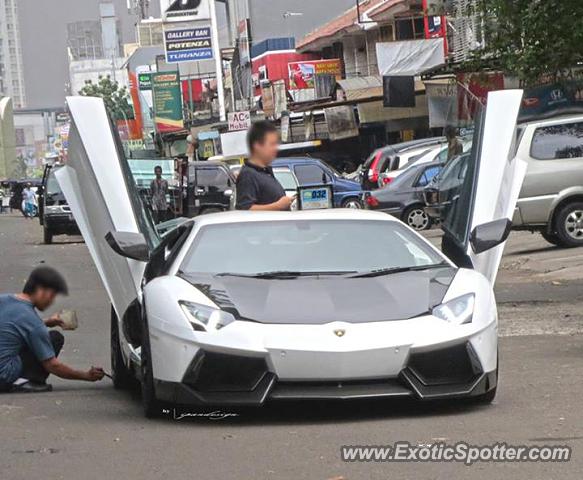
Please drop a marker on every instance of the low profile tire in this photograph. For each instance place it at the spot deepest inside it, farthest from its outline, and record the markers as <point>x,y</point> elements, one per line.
<point>47,236</point>
<point>353,203</point>
<point>152,407</point>
<point>569,225</point>
<point>416,217</point>
<point>122,375</point>
<point>552,238</point>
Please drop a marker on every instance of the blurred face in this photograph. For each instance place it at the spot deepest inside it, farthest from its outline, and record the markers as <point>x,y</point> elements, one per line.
<point>158,172</point>
<point>266,151</point>
<point>43,298</point>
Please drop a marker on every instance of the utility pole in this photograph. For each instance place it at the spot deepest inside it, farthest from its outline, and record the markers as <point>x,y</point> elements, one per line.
<point>218,60</point>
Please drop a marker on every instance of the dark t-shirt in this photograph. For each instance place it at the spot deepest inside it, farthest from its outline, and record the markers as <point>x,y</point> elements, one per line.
<point>257,186</point>
<point>20,327</point>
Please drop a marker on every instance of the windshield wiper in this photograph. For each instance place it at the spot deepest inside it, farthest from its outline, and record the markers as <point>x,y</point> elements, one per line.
<point>280,274</point>
<point>389,271</point>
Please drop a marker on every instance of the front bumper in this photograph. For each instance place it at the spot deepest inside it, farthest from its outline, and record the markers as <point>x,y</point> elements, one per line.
<point>216,379</point>
<point>61,223</point>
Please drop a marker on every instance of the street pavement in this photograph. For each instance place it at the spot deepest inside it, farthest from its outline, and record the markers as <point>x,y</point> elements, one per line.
<point>89,431</point>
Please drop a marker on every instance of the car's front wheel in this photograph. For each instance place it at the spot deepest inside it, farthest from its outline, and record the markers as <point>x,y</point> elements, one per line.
<point>416,217</point>
<point>552,238</point>
<point>152,407</point>
<point>569,225</point>
<point>122,375</point>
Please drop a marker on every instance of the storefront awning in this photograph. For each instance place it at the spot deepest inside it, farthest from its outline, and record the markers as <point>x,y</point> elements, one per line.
<point>410,58</point>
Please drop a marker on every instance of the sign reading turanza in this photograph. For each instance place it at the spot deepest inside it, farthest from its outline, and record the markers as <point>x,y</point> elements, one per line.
<point>188,44</point>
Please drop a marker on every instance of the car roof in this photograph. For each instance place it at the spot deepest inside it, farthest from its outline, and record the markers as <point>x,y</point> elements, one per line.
<point>552,120</point>
<point>241,216</point>
<point>208,163</point>
<point>399,147</point>
<point>283,161</point>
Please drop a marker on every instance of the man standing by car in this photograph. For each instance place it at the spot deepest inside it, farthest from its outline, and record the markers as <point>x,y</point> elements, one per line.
<point>28,350</point>
<point>257,187</point>
<point>159,189</point>
<point>454,146</point>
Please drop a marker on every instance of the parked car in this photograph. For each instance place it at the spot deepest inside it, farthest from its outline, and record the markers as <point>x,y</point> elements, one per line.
<point>300,171</point>
<point>55,215</point>
<point>551,199</point>
<point>210,189</point>
<point>436,154</point>
<point>445,185</point>
<point>394,157</point>
<point>403,198</point>
<point>287,314</point>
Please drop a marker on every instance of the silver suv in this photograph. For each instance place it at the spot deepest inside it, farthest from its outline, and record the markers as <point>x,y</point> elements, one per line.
<point>551,199</point>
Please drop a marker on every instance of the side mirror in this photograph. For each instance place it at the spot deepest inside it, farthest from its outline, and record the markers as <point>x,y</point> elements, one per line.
<point>129,244</point>
<point>490,235</point>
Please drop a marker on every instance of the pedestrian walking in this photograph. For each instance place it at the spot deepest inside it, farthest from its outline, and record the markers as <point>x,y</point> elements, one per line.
<point>159,190</point>
<point>29,200</point>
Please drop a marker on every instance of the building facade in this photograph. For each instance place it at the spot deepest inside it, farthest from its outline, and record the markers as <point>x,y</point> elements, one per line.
<point>11,66</point>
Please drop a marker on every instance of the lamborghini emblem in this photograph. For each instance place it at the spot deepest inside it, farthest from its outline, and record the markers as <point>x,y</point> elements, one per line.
<point>339,332</point>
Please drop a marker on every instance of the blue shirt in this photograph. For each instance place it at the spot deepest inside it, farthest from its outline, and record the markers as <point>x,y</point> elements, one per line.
<point>20,327</point>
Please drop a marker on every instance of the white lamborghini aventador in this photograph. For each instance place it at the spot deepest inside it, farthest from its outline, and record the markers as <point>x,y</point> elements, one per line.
<point>244,308</point>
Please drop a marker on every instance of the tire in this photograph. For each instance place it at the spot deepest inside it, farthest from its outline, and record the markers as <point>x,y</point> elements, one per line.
<point>47,236</point>
<point>569,225</point>
<point>552,238</point>
<point>122,375</point>
<point>353,203</point>
<point>416,217</point>
<point>152,407</point>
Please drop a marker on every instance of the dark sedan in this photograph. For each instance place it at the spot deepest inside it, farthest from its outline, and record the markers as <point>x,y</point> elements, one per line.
<point>403,198</point>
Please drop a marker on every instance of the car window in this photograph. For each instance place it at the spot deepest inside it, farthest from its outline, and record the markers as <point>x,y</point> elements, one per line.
<point>428,175</point>
<point>52,184</point>
<point>558,142</point>
<point>305,246</point>
<point>212,178</point>
<point>310,174</point>
<point>286,179</point>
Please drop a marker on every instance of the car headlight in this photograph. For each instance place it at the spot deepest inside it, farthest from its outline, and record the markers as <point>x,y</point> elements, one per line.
<point>203,318</point>
<point>457,311</point>
<point>52,209</point>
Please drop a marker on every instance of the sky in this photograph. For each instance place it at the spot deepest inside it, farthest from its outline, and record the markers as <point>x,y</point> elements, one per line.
<point>43,34</point>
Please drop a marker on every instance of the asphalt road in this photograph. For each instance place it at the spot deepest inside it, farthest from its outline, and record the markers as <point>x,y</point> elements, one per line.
<point>89,431</point>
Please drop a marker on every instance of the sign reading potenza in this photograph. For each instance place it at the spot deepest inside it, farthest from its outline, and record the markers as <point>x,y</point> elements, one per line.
<point>189,44</point>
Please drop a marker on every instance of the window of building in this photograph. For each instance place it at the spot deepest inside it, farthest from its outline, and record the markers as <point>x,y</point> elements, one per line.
<point>410,29</point>
<point>386,33</point>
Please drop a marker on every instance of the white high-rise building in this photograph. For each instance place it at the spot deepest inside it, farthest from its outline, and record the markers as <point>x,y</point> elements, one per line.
<point>11,66</point>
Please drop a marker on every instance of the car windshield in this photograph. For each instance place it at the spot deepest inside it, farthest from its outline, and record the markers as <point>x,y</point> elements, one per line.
<point>53,187</point>
<point>307,246</point>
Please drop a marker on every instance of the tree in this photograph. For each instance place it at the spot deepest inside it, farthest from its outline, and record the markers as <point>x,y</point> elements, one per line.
<point>116,98</point>
<point>539,41</point>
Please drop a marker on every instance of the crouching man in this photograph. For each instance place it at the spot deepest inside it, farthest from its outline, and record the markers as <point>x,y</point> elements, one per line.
<point>28,350</point>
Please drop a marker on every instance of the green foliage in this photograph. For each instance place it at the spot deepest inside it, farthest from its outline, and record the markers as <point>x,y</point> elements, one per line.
<point>116,98</point>
<point>20,168</point>
<point>539,41</point>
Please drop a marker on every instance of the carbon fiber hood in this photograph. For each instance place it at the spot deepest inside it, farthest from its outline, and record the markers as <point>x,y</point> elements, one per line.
<point>313,300</point>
